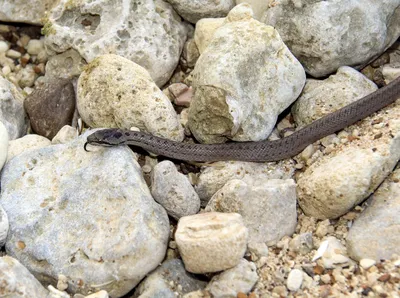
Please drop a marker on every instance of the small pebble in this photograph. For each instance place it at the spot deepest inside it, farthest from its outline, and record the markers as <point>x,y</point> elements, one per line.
<point>367,263</point>
<point>294,280</point>
<point>13,54</point>
<point>6,70</point>
<point>3,46</point>
<point>35,46</point>
<point>23,41</point>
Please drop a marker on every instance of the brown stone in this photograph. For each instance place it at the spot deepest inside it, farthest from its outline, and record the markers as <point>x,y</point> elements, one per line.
<point>50,107</point>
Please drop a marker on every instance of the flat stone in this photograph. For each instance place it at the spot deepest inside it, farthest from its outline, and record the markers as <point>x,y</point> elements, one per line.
<point>51,106</point>
<point>211,242</point>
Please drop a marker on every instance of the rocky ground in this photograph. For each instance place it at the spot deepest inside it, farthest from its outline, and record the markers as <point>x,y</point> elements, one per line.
<point>116,223</point>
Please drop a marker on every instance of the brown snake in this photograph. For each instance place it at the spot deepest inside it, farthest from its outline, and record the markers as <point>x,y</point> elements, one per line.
<point>253,151</point>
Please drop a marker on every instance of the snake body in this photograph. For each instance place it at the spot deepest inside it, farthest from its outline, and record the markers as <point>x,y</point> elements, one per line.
<point>253,151</point>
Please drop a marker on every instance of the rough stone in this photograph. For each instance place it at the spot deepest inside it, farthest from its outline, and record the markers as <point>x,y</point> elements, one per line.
<point>4,227</point>
<point>148,32</point>
<point>231,282</point>
<point>325,35</point>
<point>17,281</point>
<point>244,78</point>
<point>167,280</point>
<point>87,215</point>
<point>173,190</point>
<point>51,106</point>
<point>194,10</point>
<point>211,242</point>
<point>375,234</point>
<point>258,7</point>
<point>268,207</point>
<point>322,97</point>
<point>65,134</point>
<point>66,65</point>
<point>116,92</point>
<point>35,46</point>
<point>205,30</point>
<point>26,143</point>
<point>3,144</point>
<point>12,112</point>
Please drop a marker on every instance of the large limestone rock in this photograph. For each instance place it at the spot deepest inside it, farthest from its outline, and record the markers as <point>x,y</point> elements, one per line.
<point>148,32</point>
<point>244,78</point>
<point>116,92</point>
<point>26,11</point>
<point>324,35</point>
<point>87,215</point>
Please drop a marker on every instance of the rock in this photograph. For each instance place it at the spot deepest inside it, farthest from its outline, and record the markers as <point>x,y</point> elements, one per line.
<point>17,281</point>
<point>225,104</point>
<point>99,294</point>
<point>3,144</point>
<point>302,243</point>
<point>258,7</point>
<point>173,191</point>
<point>332,253</point>
<point>325,35</point>
<point>294,280</point>
<point>168,280</point>
<point>74,213</point>
<point>22,11</point>
<point>3,46</point>
<point>367,263</point>
<point>257,250</point>
<point>375,233</point>
<point>390,72</point>
<point>148,32</point>
<point>12,112</point>
<point>322,97</point>
<point>337,182</point>
<point>190,53</point>
<point>116,92</point>
<point>193,11</point>
<point>35,46</point>
<point>66,134</point>
<point>26,77</point>
<point>181,94</point>
<point>205,30</point>
<point>51,106</point>
<point>211,242</point>
<point>4,227</point>
<point>13,54</point>
<point>268,207</point>
<point>214,177</point>
<point>231,282</point>
<point>28,142</point>
<point>66,65</point>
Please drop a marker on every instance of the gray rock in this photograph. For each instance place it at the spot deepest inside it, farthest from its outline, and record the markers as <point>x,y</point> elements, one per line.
<point>302,243</point>
<point>194,10</point>
<point>51,106</point>
<point>66,65</point>
<point>25,143</point>
<point>3,144</point>
<point>116,92</point>
<point>25,11</point>
<point>17,282</point>
<point>173,190</point>
<point>376,233</point>
<point>87,215</point>
<point>148,32</point>
<point>12,112</point>
<point>244,78</point>
<point>229,283</point>
<point>325,35</point>
<point>4,226</point>
<point>168,279</point>
<point>268,207</point>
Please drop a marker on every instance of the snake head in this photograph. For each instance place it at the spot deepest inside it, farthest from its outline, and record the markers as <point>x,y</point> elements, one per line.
<point>106,137</point>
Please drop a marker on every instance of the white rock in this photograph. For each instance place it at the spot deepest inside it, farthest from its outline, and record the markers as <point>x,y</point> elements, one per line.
<point>4,226</point>
<point>3,144</point>
<point>173,190</point>
<point>325,35</point>
<point>115,92</point>
<point>65,65</point>
<point>322,97</point>
<point>268,207</point>
<point>194,10</point>
<point>26,143</point>
<point>148,32</point>
<point>12,112</point>
<point>214,177</point>
<point>205,30</point>
<point>375,233</point>
<point>390,72</point>
<point>337,182</point>
<point>211,242</point>
<point>100,294</point>
<point>17,281</point>
<point>35,46</point>
<point>226,105</point>
<point>66,134</point>
<point>55,293</point>
<point>332,252</point>
<point>77,213</point>
<point>258,6</point>
<point>229,283</point>
<point>3,46</point>
<point>13,54</point>
<point>294,280</point>
<point>26,77</point>
<point>367,263</point>
<point>257,250</point>
<point>22,11</point>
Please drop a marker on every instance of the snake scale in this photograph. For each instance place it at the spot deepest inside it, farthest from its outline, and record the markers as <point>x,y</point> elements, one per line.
<point>253,151</point>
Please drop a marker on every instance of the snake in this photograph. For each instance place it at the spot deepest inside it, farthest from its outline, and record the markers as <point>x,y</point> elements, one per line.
<point>259,151</point>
